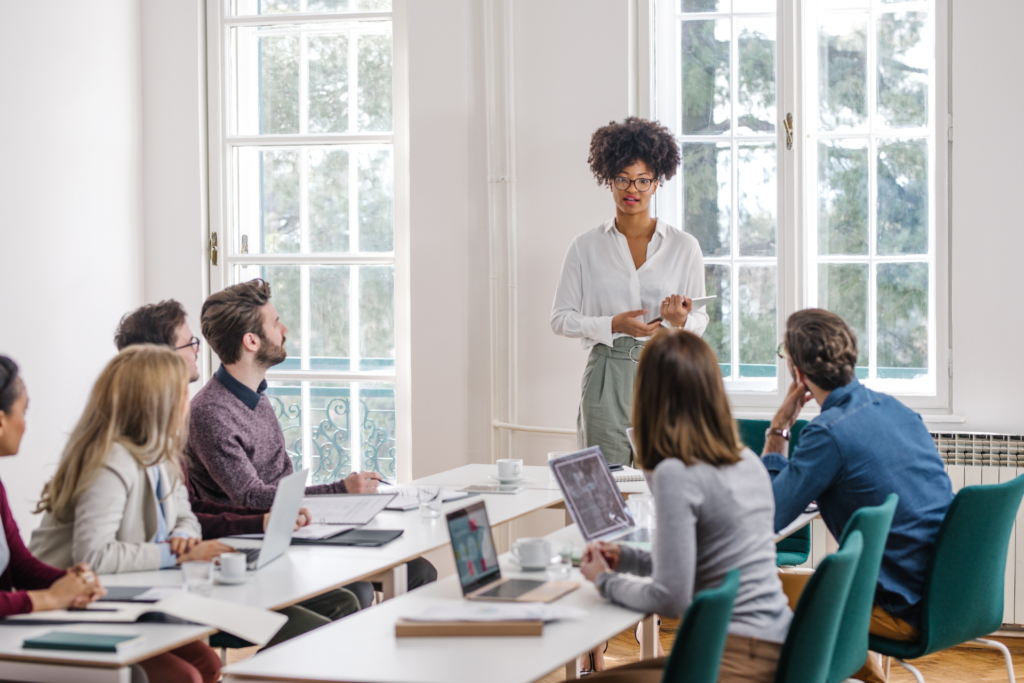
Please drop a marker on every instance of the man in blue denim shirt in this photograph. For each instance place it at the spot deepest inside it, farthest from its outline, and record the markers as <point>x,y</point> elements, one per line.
<point>862,447</point>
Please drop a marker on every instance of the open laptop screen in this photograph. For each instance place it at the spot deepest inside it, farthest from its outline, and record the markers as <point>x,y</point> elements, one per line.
<point>475,555</point>
<point>591,494</point>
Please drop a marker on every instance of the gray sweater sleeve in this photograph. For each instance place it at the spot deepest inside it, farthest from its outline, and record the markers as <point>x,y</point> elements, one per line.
<point>672,564</point>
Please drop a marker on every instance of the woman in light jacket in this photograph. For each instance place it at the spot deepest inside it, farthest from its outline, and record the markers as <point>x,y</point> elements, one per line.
<point>118,500</point>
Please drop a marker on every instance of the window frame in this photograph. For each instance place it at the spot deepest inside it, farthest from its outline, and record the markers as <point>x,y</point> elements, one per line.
<point>222,206</point>
<point>794,281</point>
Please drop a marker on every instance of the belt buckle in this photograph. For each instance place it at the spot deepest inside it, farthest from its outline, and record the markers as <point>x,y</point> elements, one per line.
<point>632,348</point>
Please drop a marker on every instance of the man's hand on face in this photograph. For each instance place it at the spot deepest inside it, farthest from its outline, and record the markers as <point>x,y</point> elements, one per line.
<point>796,398</point>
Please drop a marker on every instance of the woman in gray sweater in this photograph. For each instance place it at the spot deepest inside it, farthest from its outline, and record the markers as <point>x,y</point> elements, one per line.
<point>715,513</point>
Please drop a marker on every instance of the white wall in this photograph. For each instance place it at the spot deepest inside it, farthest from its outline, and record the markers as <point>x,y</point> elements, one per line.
<point>71,201</point>
<point>987,224</point>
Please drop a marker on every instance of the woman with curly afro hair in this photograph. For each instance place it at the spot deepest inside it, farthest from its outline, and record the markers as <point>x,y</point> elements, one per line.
<point>626,279</point>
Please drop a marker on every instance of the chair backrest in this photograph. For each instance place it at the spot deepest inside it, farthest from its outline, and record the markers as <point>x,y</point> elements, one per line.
<point>807,653</point>
<point>697,654</point>
<point>852,641</point>
<point>794,549</point>
<point>963,592</point>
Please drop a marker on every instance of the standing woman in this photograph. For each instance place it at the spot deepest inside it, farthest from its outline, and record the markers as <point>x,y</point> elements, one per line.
<point>625,279</point>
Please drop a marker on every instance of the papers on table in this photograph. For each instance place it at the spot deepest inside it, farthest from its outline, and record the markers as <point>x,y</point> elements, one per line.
<point>249,623</point>
<point>512,611</point>
<point>349,508</point>
<point>316,532</point>
<point>408,498</point>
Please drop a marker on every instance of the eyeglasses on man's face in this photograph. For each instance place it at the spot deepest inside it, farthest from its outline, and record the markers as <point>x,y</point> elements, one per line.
<point>781,351</point>
<point>642,184</point>
<point>194,344</point>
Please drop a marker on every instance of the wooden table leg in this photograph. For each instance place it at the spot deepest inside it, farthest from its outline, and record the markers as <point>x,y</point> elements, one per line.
<point>649,637</point>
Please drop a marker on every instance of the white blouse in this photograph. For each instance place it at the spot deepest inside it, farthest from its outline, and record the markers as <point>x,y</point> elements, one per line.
<point>599,281</point>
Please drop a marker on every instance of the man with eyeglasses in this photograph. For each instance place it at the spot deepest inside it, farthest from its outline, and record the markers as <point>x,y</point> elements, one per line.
<point>862,447</point>
<point>164,324</point>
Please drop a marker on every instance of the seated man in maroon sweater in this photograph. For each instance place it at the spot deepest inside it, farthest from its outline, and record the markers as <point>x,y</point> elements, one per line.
<point>236,449</point>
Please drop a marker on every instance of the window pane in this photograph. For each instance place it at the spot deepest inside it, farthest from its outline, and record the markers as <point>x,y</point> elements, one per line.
<point>756,96</point>
<point>703,5</point>
<point>705,73</point>
<point>285,295</point>
<point>329,318</point>
<point>332,421</point>
<point>843,289</point>
<point>377,428</point>
<point>903,197</point>
<point>842,197</point>
<point>707,179</point>
<point>245,8</point>
<point>718,333</point>
<point>903,63</point>
<point>902,320</point>
<point>328,83</point>
<point>757,318</point>
<point>268,200</point>
<point>375,82</point>
<point>376,316</point>
<point>286,400</point>
<point>757,198</point>
<point>328,200</point>
<point>279,84</point>
<point>754,6</point>
<point>842,71</point>
<point>376,205</point>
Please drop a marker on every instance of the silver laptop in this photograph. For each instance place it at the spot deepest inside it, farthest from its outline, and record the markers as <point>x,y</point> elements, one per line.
<point>476,559</point>
<point>278,536</point>
<point>593,498</point>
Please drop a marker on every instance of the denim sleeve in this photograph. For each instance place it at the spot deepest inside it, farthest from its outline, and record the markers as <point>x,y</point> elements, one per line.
<point>811,469</point>
<point>167,558</point>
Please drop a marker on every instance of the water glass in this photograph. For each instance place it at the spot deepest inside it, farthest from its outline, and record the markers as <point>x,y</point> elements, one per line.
<point>431,498</point>
<point>641,506</point>
<point>197,577</point>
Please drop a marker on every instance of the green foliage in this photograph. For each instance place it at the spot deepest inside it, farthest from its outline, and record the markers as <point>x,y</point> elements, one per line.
<point>705,77</point>
<point>842,197</point>
<point>377,311</point>
<point>706,180</point>
<point>842,71</point>
<point>328,315</point>
<point>328,83</point>
<point>758,314</point>
<point>902,84</point>
<point>717,334</point>
<point>755,96</point>
<point>376,201</point>
<point>375,100</point>
<point>843,289</point>
<point>279,84</point>
<point>284,288</point>
<point>903,197</point>
<point>279,201</point>
<point>758,198</point>
<point>328,200</point>
<point>903,315</point>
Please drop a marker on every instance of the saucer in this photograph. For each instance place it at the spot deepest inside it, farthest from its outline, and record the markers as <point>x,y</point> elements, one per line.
<point>515,564</point>
<point>227,581</point>
<point>515,480</point>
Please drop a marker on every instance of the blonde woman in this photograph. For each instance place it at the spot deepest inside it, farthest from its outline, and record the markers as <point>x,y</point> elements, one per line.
<point>715,513</point>
<point>118,501</point>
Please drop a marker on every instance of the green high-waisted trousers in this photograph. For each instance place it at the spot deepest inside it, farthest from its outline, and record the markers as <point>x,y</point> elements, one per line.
<point>606,406</point>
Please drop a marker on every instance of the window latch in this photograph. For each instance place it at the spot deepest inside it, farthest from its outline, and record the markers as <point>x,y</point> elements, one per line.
<point>787,123</point>
<point>213,248</point>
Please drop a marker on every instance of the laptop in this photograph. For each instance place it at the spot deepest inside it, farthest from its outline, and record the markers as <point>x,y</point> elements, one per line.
<point>594,500</point>
<point>476,559</point>
<point>278,535</point>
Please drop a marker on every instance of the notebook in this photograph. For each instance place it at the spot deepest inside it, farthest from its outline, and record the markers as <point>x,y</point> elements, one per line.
<point>86,642</point>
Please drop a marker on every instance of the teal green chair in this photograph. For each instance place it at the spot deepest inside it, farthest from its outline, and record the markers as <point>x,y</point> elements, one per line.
<point>697,654</point>
<point>796,548</point>
<point>963,590</point>
<point>852,642</point>
<point>807,653</point>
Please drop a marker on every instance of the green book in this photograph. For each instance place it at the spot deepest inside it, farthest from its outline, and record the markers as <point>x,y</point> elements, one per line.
<point>89,642</point>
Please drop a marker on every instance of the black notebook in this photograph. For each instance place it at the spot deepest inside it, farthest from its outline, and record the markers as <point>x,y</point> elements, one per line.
<point>369,538</point>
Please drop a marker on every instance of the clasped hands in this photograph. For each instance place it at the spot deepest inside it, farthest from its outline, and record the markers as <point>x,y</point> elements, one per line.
<point>675,309</point>
<point>599,557</point>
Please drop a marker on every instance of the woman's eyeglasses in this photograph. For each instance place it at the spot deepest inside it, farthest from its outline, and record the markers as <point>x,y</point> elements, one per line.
<point>642,184</point>
<point>194,344</point>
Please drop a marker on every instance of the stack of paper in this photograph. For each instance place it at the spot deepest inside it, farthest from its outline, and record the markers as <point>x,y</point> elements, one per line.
<point>407,498</point>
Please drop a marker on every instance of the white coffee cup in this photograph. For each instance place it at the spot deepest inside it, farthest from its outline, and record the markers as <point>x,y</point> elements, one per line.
<point>509,468</point>
<point>232,566</point>
<point>532,553</point>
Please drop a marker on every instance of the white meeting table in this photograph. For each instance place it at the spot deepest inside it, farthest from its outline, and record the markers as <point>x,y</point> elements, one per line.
<point>363,648</point>
<point>537,477</point>
<point>59,666</point>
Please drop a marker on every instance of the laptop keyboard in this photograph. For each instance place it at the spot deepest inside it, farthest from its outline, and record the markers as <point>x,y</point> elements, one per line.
<point>251,554</point>
<point>512,588</point>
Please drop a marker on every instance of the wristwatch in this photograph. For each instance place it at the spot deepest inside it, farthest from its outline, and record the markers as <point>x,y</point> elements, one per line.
<point>775,431</point>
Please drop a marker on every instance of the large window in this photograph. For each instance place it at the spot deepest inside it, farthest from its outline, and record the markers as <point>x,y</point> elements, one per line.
<point>812,175</point>
<point>306,122</point>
